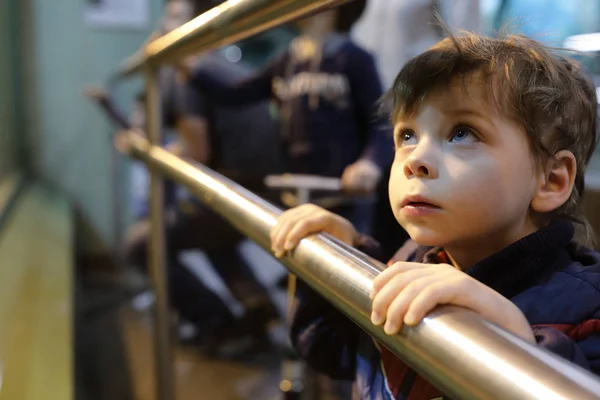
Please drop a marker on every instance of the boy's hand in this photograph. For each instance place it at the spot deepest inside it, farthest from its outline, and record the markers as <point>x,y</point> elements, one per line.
<point>406,292</point>
<point>299,222</point>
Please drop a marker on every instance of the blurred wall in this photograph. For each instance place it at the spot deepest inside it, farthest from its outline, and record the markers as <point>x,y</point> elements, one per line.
<point>67,137</point>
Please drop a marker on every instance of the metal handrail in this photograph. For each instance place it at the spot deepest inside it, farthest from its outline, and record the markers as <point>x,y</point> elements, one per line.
<point>460,353</point>
<point>225,24</point>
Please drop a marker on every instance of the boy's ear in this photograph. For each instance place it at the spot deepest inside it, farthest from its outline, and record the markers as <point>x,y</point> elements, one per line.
<point>555,182</point>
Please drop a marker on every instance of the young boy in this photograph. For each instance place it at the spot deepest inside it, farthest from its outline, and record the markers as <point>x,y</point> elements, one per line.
<point>327,89</point>
<point>492,140</point>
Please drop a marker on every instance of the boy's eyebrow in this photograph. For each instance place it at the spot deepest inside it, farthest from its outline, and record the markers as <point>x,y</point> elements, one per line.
<point>469,112</point>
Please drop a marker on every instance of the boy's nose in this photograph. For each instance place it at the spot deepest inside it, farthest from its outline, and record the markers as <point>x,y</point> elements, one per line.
<point>418,167</point>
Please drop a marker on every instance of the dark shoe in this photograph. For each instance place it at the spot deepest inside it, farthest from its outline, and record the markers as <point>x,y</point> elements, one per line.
<point>261,318</point>
<point>225,338</point>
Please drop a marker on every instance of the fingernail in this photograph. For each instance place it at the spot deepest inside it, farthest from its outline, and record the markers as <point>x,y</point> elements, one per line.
<point>390,328</point>
<point>376,319</point>
<point>288,245</point>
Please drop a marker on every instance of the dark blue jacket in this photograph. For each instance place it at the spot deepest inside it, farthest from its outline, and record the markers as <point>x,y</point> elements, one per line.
<point>329,105</point>
<point>553,281</point>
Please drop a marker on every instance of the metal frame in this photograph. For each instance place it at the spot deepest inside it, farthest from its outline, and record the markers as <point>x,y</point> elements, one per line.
<point>459,352</point>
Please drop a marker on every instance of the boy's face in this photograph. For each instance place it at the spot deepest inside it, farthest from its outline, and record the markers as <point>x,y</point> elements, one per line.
<point>463,174</point>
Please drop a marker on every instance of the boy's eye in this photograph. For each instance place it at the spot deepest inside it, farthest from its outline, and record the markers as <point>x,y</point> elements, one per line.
<point>463,134</point>
<point>407,137</point>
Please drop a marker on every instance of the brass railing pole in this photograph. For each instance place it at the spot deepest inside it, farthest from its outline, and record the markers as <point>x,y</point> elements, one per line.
<point>157,253</point>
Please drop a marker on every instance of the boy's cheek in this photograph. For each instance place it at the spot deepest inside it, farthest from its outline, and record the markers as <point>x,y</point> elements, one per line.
<point>396,188</point>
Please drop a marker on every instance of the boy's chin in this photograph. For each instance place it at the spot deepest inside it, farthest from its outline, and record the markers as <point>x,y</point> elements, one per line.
<point>427,237</point>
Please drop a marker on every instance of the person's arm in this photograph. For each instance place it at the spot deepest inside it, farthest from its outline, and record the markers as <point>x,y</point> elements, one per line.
<point>590,348</point>
<point>585,353</point>
<point>378,151</point>
<point>101,97</point>
<point>366,94</point>
<point>208,78</point>
<point>195,139</point>
<point>191,124</point>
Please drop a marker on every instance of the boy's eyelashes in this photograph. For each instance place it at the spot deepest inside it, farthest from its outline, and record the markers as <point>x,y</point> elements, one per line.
<point>406,136</point>
<point>460,133</point>
<point>463,133</point>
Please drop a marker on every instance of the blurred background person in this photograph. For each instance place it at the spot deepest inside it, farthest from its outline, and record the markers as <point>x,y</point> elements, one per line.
<point>327,89</point>
<point>238,144</point>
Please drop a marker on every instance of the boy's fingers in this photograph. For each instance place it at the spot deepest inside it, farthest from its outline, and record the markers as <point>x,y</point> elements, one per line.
<point>278,236</point>
<point>282,234</point>
<point>276,228</point>
<point>432,296</point>
<point>398,268</point>
<point>309,223</point>
<point>397,311</point>
<point>286,222</point>
<point>460,291</point>
<point>299,231</point>
<point>392,290</point>
<point>294,224</point>
<point>284,218</point>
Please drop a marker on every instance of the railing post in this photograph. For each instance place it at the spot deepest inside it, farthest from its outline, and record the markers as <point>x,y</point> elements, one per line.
<point>157,256</point>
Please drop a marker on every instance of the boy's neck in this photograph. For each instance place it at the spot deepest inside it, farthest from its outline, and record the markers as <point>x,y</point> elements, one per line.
<point>465,255</point>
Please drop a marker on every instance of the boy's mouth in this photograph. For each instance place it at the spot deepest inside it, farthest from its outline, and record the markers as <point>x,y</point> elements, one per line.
<point>418,206</point>
<point>418,201</point>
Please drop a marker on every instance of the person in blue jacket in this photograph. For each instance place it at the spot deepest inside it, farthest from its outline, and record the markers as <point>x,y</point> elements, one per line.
<point>493,137</point>
<point>327,89</point>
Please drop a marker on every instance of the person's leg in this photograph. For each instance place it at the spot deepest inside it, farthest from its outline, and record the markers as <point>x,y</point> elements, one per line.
<point>245,287</point>
<point>187,294</point>
<point>209,232</point>
<point>360,213</point>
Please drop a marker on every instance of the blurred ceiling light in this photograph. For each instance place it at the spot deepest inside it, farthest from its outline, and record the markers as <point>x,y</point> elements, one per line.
<point>233,54</point>
<point>588,42</point>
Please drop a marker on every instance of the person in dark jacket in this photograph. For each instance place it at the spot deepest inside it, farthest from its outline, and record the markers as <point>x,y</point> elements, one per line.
<point>327,89</point>
<point>212,136</point>
<point>493,137</point>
